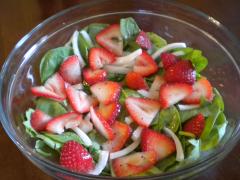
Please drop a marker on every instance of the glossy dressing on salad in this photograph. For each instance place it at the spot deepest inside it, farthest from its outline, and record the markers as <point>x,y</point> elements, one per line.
<point>118,101</point>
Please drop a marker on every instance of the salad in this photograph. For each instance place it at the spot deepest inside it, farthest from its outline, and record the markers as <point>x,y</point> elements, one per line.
<point>118,101</point>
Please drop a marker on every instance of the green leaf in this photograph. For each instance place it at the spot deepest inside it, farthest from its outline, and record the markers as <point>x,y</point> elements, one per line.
<point>29,130</point>
<point>45,150</point>
<point>193,150</point>
<point>128,28</point>
<point>125,93</point>
<point>195,56</point>
<point>84,47</point>
<point>218,100</point>
<point>94,151</point>
<point>157,41</point>
<point>96,137</point>
<point>167,118</point>
<point>52,60</point>
<point>166,163</point>
<point>186,134</point>
<point>130,45</point>
<point>64,137</point>
<point>115,77</point>
<point>50,142</point>
<point>50,107</point>
<point>216,134</point>
<point>93,29</point>
<point>86,87</point>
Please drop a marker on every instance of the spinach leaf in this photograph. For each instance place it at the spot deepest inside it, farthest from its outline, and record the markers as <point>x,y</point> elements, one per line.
<point>218,100</point>
<point>27,124</point>
<point>52,60</point>
<point>125,93</point>
<point>167,118</point>
<point>93,29</point>
<point>64,137</point>
<point>166,163</point>
<point>115,77</point>
<point>50,142</point>
<point>128,28</point>
<point>45,150</point>
<point>50,107</point>
<point>130,45</point>
<point>195,56</point>
<point>96,137</point>
<point>94,151</point>
<point>193,149</point>
<point>157,41</point>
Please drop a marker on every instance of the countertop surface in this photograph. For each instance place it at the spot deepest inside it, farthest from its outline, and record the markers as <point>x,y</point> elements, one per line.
<point>18,17</point>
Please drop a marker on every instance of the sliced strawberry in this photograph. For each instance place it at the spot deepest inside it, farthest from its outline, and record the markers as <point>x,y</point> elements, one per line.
<point>101,124</point>
<point>201,88</point>
<point>76,158</point>
<point>70,70</point>
<point>79,100</point>
<point>168,60</point>
<point>181,72</point>
<point>155,87</point>
<point>122,132</point>
<point>145,65</point>
<point>134,163</point>
<point>98,57</point>
<point>143,41</point>
<point>111,39</point>
<point>171,94</point>
<point>68,120</point>
<point>106,91</point>
<point>109,112</point>
<point>39,120</point>
<point>135,81</point>
<point>94,76</point>
<point>142,110</point>
<point>54,88</point>
<point>161,144</point>
<point>195,125</point>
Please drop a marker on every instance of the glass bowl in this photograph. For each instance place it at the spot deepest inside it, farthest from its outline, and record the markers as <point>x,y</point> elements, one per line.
<point>173,21</point>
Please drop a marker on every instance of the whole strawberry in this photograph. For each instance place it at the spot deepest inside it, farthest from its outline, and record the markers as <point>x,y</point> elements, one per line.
<point>195,125</point>
<point>75,157</point>
<point>181,72</point>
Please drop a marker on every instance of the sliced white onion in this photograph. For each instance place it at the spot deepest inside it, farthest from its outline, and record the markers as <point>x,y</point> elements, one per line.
<point>143,92</point>
<point>128,120</point>
<point>178,53</point>
<point>87,37</point>
<point>86,140</point>
<point>155,87</point>
<point>137,133</point>
<point>125,151</point>
<point>128,58</point>
<point>184,107</point>
<point>168,48</point>
<point>180,153</point>
<point>101,164</point>
<point>76,50</point>
<point>78,86</point>
<point>117,69</point>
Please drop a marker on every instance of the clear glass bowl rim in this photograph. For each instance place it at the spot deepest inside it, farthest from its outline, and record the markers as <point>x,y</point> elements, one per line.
<point>27,151</point>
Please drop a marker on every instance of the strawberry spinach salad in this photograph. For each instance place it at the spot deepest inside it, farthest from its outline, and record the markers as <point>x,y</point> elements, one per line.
<point>118,101</point>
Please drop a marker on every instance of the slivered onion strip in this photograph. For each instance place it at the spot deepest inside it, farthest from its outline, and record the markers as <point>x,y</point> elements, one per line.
<point>117,69</point>
<point>180,153</point>
<point>168,48</point>
<point>137,133</point>
<point>143,92</point>
<point>87,37</point>
<point>84,137</point>
<point>101,164</point>
<point>178,53</point>
<point>128,120</point>
<point>125,151</point>
<point>184,107</point>
<point>76,49</point>
<point>128,58</point>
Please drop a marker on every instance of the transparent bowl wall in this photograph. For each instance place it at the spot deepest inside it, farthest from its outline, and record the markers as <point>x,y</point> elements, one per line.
<point>171,20</point>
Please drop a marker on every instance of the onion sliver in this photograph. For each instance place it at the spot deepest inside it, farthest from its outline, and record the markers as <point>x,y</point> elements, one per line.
<point>87,37</point>
<point>101,164</point>
<point>76,49</point>
<point>128,120</point>
<point>84,137</point>
<point>143,92</point>
<point>178,53</point>
<point>137,133</point>
<point>117,69</point>
<point>183,107</point>
<point>128,58</point>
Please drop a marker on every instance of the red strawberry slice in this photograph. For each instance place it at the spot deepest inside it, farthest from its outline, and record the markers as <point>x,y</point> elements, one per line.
<point>106,91</point>
<point>111,39</point>
<point>70,70</point>
<point>134,163</point>
<point>94,76</point>
<point>109,112</point>
<point>168,60</point>
<point>54,88</point>
<point>181,72</point>
<point>122,132</point>
<point>142,110</point>
<point>135,81</point>
<point>145,65</point>
<point>98,57</point>
<point>101,124</point>
<point>143,41</point>
<point>201,88</point>
<point>76,158</point>
<point>171,94</point>
<point>195,125</point>
<point>161,144</point>
<point>68,120</point>
<point>79,100</point>
<point>39,120</point>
